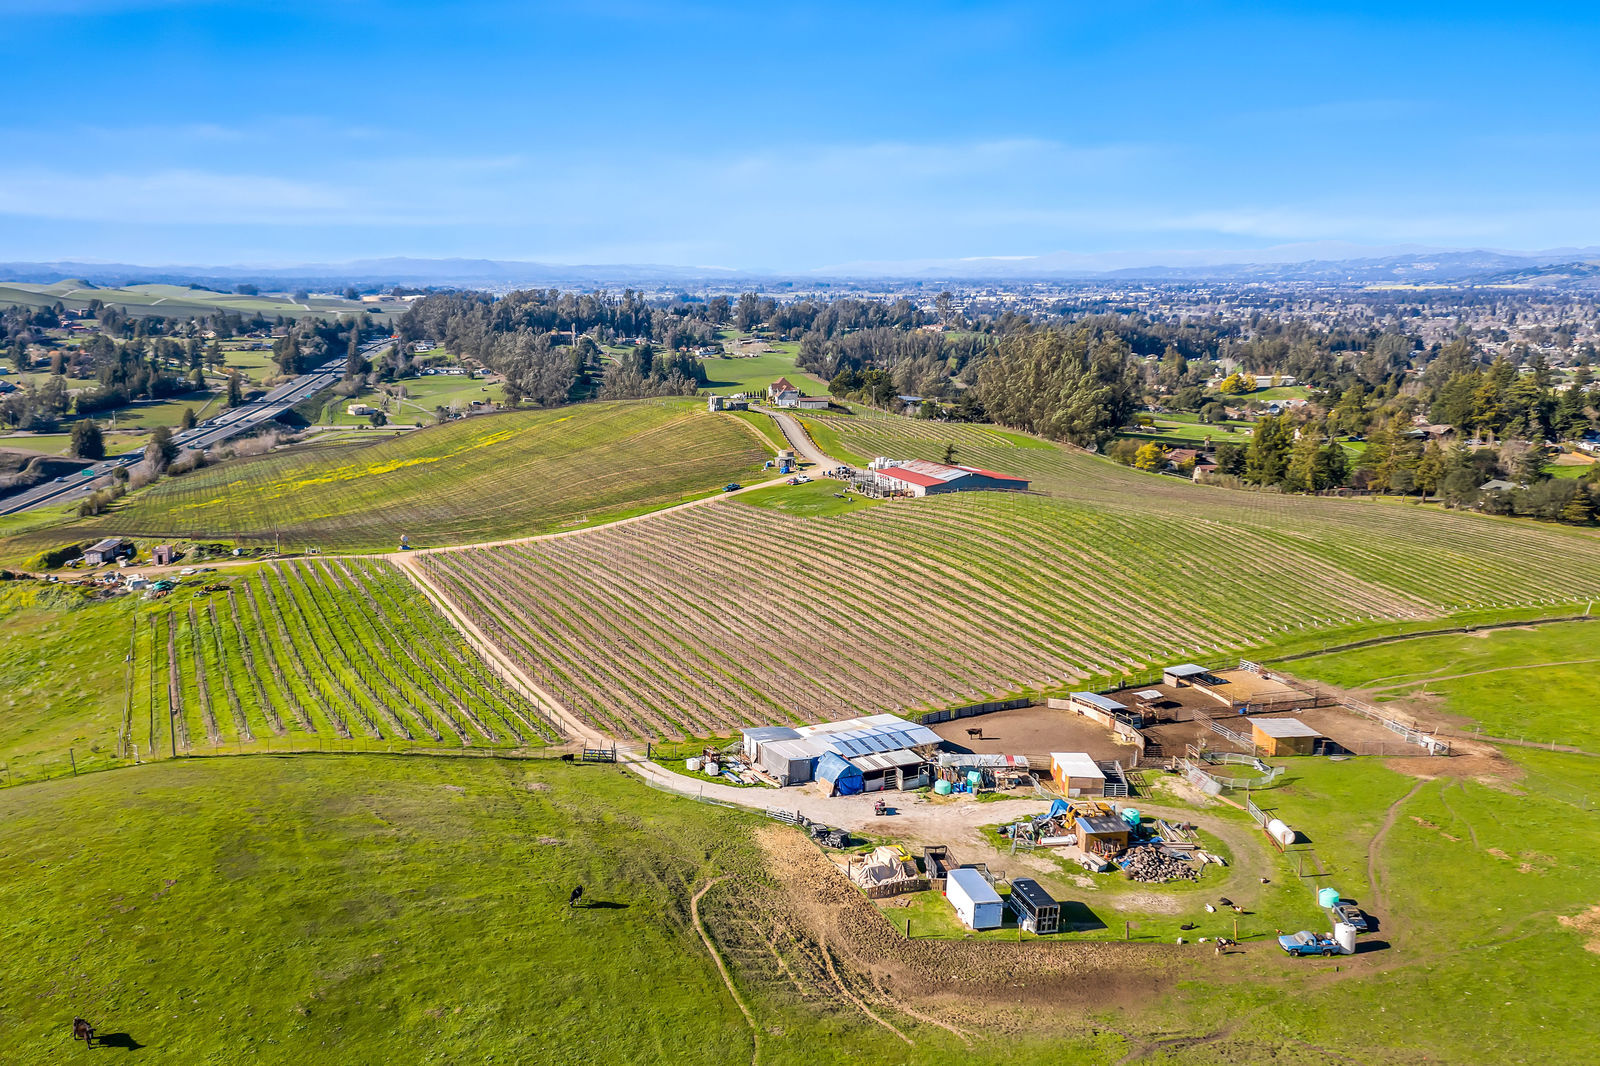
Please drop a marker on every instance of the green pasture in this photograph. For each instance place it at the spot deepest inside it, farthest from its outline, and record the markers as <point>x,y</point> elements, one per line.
<point>43,443</point>
<point>1538,683</point>
<point>184,905</point>
<point>424,919</point>
<point>730,373</point>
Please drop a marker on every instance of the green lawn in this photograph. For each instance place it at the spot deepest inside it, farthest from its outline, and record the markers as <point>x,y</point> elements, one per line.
<point>812,500</point>
<point>1191,434</point>
<point>1568,470</point>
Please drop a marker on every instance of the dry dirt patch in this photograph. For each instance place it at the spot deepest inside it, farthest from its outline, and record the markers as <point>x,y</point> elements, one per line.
<point>1586,924</point>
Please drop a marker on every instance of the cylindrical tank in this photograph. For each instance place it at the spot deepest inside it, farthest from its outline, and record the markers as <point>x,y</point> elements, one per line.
<point>693,765</point>
<point>974,778</point>
<point>1280,832</point>
<point>1130,815</point>
<point>941,787</point>
<point>712,768</point>
<point>1344,934</point>
<point>1328,897</point>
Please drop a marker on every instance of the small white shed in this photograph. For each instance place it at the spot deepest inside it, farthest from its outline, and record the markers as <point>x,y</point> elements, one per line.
<point>976,902</point>
<point>1076,774</point>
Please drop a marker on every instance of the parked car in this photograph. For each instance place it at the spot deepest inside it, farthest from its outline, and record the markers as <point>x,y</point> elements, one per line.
<point>803,479</point>
<point>731,486</point>
<point>1349,912</point>
<point>1308,943</point>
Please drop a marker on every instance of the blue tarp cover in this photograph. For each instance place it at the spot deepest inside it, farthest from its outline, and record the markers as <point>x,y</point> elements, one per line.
<point>833,769</point>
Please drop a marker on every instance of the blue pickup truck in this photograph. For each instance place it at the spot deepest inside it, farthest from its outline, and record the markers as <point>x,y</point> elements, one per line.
<point>1307,943</point>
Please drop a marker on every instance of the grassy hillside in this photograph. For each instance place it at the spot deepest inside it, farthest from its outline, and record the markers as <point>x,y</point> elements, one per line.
<point>187,909</point>
<point>329,654</point>
<point>1102,572</point>
<point>1537,684</point>
<point>475,479</point>
<point>177,300</point>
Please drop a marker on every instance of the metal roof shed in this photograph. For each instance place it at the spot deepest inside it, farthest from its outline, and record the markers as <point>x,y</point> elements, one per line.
<point>976,902</point>
<point>1099,702</point>
<point>763,734</point>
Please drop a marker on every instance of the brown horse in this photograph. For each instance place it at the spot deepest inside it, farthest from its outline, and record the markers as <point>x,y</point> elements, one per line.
<point>82,1030</point>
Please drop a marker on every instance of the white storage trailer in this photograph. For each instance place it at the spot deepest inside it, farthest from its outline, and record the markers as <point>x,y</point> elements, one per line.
<point>976,902</point>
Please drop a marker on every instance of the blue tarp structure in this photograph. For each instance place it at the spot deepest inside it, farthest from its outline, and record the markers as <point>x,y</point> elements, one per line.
<point>1058,807</point>
<point>836,771</point>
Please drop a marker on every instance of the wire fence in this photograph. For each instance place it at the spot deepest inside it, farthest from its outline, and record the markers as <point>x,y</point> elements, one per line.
<point>75,763</point>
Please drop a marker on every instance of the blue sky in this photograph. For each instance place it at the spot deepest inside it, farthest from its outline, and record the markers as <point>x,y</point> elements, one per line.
<point>792,136</point>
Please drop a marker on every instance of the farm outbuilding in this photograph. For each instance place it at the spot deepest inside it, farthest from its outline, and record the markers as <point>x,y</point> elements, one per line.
<point>1101,834</point>
<point>976,902</point>
<point>883,750</point>
<point>919,477</point>
<point>104,551</point>
<point>1184,674</point>
<point>1076,774</point>
<point>792,762</point>
<point>1037,911</point>
<point>755,738</point>
<point>839,775</point>
<point>1284,736</point>
<point>1103,709</point>
<point>899,769</point>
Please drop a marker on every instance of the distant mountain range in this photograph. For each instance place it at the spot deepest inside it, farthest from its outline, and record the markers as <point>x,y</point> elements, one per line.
<point>1560,268</point>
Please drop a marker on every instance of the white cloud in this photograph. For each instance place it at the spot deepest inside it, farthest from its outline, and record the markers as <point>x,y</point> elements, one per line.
<point>167,196</point>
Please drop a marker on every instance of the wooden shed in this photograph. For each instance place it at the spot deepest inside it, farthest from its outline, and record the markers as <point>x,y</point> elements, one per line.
<point>1101,834</point>
<point>1284,736</point>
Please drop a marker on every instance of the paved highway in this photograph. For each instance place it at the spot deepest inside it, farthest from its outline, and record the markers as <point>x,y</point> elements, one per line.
<point>229,423</point>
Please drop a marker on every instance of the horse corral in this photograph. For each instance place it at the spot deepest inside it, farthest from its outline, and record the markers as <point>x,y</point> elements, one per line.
<point>1034,732</point>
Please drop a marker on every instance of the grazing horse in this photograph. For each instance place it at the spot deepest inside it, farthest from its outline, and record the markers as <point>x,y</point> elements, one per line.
<point>82,1030</point>
<point>975,734</point>
<point>568,757</point>
<point>577,894</point>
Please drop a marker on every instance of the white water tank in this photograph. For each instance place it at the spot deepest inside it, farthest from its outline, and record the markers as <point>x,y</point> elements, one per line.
<point>1344,934</point>
<point>1280,832</point>
<point>693,765</point>
<point>712,768</point>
